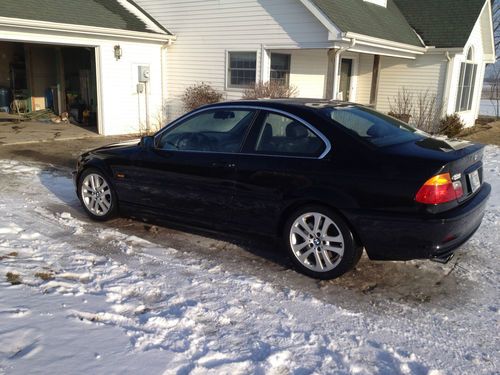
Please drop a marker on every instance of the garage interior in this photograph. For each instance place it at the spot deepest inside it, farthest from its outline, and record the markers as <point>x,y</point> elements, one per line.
<point>46,84</point>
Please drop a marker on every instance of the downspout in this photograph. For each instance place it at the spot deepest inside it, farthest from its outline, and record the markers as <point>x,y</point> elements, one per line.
<point>447,84</point>
<point>163,77</point>
<point>334,57</point>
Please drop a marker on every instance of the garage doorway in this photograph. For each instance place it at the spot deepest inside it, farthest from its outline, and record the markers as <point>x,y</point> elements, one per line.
<point>49,84</point>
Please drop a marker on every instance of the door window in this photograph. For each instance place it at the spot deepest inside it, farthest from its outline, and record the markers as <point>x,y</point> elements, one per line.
<point>218,130</point>
<point>282,135</point>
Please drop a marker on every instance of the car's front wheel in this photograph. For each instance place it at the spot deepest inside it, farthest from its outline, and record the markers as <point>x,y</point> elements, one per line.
<point>97,195</point>
<point>320,243</point>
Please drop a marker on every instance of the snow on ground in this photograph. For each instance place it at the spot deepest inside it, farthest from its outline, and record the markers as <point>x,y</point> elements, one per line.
<point>76,297</point>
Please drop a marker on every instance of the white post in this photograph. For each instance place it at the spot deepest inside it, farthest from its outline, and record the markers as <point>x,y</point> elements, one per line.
<point>265,64</point>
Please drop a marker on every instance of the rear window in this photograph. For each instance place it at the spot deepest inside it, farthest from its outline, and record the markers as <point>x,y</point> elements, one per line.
<point>371,126</point>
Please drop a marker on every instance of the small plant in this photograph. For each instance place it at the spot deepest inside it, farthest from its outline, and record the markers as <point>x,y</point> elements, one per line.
<point>400,116</point>
<point>270,90</point>
<point>9,255</point>
<point>401,106</point>
<point>200,94</point>
<point>45,276</point>
<point>451,125</point>
<point>13,278</point>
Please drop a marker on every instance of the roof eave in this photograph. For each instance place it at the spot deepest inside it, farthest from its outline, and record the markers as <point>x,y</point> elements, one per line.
<point>388,44</point>
<point>84,30</point>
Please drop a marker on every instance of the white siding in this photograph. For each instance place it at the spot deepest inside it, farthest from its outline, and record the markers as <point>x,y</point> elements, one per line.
<point>207,29</point>
<point>364,78</point>
<point>123,111</point>
<point>425,74</point>
<point>308,72</point>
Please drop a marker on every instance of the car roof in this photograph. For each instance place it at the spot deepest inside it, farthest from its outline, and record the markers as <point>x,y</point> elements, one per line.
<point>293,103</point>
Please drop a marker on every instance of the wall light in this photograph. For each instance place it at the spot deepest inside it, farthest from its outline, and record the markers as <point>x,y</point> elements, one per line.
<point>118,52</point>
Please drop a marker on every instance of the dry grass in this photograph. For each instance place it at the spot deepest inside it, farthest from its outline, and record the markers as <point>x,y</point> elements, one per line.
<point>13,278</point>
<point>45,276</point>
<point>9,255</point>
<point>486,134</point>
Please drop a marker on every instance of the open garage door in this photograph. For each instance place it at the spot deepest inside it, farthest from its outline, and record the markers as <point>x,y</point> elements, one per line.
<point>49,84</point>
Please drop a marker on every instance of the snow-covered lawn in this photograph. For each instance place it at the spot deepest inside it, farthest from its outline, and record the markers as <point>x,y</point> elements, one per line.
<point>94,298</point>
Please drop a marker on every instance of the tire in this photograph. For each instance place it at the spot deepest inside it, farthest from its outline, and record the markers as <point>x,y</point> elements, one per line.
<point>97,195</point>
<point>320,243</point>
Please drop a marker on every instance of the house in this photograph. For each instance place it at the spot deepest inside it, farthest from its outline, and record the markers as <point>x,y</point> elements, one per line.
<point>123,65</point>
<point>363,51</point>
<point>84,56</point>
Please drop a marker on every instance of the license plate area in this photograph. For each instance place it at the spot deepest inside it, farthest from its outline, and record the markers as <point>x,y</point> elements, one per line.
<point>474,181</point>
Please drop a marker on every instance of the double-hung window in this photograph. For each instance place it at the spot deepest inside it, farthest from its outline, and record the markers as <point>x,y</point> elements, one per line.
<point>280,69</point>
<point>466,84</point>
<point>242,69</point>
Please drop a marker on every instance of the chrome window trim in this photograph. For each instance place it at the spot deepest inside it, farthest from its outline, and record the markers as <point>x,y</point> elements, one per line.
<point>328,146</point>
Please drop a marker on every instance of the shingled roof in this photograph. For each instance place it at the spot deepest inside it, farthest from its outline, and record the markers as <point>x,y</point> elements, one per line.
<point>359,16</point>
<point>443,23</point>
<point>440,23</point>
<point>112,14</point>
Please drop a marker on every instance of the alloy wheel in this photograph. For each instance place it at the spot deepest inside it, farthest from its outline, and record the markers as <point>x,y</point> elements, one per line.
<point>96,194</point>
<point>317,242</point>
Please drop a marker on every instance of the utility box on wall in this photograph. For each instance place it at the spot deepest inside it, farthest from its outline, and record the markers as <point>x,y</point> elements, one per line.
<point>144,73</point>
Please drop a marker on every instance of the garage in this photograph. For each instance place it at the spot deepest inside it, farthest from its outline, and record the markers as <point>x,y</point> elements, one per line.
<point>82,63</point>
<point>49,80</point>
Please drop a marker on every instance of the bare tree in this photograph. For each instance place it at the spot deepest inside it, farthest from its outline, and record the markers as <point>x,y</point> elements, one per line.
<point>494,89</point>
<point>496,25</point>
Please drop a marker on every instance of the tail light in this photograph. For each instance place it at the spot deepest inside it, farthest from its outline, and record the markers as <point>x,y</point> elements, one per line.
<point>439,189</point>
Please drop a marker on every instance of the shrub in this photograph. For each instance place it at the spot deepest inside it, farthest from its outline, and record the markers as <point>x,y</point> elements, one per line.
<point>451,125</point>
<point>421,109</point>
<point>200,94</point>
<point>270,90</point>
<point>401,116</point>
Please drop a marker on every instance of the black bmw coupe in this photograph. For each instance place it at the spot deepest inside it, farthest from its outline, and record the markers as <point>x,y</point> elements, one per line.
<point>329,178</point>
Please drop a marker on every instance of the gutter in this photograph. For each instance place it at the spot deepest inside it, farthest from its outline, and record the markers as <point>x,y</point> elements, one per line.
<point>83,30</point>
<point>383,43</point>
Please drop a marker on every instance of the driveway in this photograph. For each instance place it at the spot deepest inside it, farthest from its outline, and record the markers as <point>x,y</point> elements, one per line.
<point>135,296</point>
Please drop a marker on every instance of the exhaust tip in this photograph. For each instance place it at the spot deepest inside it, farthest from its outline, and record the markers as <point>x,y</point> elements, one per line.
<point>443,259</point>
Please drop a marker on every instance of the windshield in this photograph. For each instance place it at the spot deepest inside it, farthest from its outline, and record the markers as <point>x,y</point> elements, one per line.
<point>371,126</point>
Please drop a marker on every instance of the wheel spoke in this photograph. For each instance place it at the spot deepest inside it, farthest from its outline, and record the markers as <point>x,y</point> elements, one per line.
<point>303,257</point>
<point>337,239</point>
<point>336,250</point>
<point>298,231</point>
<point>319,264</point>
<point>105,204</point>
<point>317,222</point>
<point>304,225</point>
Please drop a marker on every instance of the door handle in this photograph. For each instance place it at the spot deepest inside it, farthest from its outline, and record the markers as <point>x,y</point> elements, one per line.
<point>223,165</point>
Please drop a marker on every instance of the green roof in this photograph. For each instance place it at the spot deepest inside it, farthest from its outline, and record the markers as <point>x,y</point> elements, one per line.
<point>359,16</point>
<point>113,14</point>
<point>442,23</point>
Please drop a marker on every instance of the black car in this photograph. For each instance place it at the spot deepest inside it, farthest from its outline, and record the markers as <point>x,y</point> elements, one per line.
<point>329,178</point>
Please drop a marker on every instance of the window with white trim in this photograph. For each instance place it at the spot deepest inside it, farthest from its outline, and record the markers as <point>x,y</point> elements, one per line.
<point>466,83</point>
<point>280,68</point>
<point>242,69</point>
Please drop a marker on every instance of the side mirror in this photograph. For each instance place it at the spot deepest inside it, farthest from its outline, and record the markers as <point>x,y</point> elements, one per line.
<point>147,142</point>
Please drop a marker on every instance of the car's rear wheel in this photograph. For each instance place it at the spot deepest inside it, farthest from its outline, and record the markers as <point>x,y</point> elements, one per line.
<point>320,243</point>
<point>97,195</point>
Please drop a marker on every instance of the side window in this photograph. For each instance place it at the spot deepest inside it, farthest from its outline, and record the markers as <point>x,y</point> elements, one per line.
<point>220,130</point>
<point>282,135</point>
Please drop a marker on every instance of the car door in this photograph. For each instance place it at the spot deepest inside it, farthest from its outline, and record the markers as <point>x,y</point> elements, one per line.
<point>281,161</point>
<point>190,171</point>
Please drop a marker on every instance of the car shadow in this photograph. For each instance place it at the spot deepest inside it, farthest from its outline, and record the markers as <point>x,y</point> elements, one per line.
<point>414,283</point>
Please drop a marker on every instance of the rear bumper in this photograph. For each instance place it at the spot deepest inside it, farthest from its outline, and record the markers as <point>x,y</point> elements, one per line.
<point>403,237</point>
